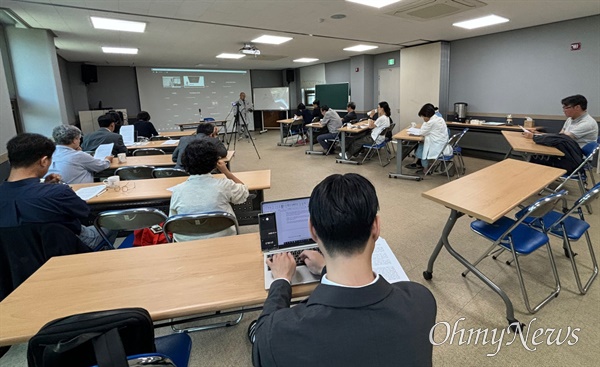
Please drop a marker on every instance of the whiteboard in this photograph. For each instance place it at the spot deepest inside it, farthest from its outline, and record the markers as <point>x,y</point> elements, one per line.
<point>277,99</point>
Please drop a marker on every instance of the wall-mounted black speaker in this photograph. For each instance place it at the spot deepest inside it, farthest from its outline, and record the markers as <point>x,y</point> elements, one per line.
<point>89,74</point>
<point>289,75</point>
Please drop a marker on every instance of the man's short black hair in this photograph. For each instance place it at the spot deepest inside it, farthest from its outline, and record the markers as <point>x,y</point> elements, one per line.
<point>352,105</point>
<point>301,106</point>
<point>200,157</point>
<point>316,102</point>
<point>26,149</point>
<point>106,119</point>
<point>143,116</point>
<point>325,108</point>
<point>205,128</point>
<point>342,211</point>
<point>576,100</point>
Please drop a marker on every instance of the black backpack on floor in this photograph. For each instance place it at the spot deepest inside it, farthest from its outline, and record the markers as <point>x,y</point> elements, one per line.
<point>103,338</point>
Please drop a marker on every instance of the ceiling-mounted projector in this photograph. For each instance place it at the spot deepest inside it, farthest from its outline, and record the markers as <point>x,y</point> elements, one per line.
<point>250,49</point>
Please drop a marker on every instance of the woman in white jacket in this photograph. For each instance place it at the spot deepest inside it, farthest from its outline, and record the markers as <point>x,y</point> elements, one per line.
<point>435,133</point>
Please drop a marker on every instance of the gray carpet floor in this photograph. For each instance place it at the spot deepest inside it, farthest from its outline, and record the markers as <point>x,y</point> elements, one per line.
<point>412,225</point>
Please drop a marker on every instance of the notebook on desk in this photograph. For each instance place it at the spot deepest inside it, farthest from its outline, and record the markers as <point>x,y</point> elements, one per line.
<point>283,227</point>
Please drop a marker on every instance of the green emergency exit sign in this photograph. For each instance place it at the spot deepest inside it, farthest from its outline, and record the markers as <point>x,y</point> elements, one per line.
<point>391,62</point>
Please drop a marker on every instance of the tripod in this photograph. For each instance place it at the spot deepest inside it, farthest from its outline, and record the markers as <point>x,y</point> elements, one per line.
<point>240,122</point>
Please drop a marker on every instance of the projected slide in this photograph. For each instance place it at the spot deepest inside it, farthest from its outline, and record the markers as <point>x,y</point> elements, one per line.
<point>174,95</point>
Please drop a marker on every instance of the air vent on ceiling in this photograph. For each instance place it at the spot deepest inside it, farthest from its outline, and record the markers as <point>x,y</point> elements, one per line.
<point>423,10</point>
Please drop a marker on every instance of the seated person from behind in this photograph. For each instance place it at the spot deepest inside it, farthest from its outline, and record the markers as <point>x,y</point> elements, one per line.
<point>316,112</point>
<point>580,126</point>
<point>354,317</point>
<point>351,115</point>
<point>332,121</point>
<point>143,126</point>
<point>435,137</point>
<point>206,131</point>
<point>69,161</point>
<point>377,127</point>
<point>104,135</point>
<point>305,115</point>
<point>24,200</point>
<point>201,192</point>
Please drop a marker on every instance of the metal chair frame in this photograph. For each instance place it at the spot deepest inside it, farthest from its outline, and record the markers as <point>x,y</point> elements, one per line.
<point>134,172</point>
<point>384,144</point>
<point>445,159</point>
<point>127,220</point>
<point>148,151</point>
<point>536,210</point>
<point>168,172</point>
<point>290,133</point>
<point>196,224</point>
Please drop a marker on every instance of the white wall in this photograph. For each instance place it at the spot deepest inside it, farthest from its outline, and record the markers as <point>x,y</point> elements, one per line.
<point>7,122</point>
<point>419,80</point>
<point>37,79</point>
<point>528,71</point>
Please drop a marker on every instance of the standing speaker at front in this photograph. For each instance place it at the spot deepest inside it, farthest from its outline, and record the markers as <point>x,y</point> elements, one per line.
<point>89,74</point>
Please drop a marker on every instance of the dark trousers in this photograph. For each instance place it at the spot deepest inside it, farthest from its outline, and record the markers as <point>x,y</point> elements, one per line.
<point>357,144</point>
<point>326,140</point>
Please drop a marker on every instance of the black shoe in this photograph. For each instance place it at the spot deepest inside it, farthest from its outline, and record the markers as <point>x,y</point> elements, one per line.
<point>413,166</point>
<point>252,331</point>
<point>567,253</point>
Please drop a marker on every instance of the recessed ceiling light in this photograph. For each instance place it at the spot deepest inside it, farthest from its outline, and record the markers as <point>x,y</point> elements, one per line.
<point>306,59</point>
<point>118,25</point>
<point>360,48</point>
<point>481,22</point>
<point>375,3</point>
<point>230,56</point>
<point>119,50</point>
<point>272,40</point>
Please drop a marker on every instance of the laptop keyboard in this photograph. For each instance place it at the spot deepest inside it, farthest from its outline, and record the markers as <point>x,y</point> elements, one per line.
<point>296,255</point>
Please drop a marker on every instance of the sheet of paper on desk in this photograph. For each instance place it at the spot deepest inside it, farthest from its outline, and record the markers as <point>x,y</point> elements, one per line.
<point>127,133</point>
<point>87,193</point>
<point>414,131</point>
<point>170,142</point>
<point>103,150</point>
<point>385,263</point>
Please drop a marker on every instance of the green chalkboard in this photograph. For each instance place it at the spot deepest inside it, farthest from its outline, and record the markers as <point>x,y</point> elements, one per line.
<point>333,95</point>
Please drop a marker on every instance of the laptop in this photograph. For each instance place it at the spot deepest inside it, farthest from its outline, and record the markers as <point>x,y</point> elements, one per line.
<point>283,227</point>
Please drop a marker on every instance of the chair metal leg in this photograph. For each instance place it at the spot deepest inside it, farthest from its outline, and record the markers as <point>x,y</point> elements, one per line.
<point>209,326</point>
<point>487,253</point>
<point>552,295</point>
<point>582,289</point>
<point>582,188</point>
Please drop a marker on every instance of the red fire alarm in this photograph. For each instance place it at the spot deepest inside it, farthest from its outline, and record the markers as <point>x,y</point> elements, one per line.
<point>576,46</point>
<point>356,70</point>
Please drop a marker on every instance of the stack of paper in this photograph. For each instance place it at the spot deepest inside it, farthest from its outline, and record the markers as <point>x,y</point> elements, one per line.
<point>87,193</point>
<point>385,263</point>
<point>414,131</point>
<point>103,150</point>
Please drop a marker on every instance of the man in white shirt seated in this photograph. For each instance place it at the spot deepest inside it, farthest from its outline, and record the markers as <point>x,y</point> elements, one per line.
<point>69,161</point>
<point>354,317</point>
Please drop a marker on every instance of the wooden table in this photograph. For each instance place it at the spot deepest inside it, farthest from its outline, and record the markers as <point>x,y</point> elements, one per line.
<point>192,125</point>
<point>400,137</point>
<point>311,147</point>
<point>171,280</point>
<point>520,143</point>
<point>350,129</point>
<point>162,160</point>
<point>177,134</point>
<point>488,127</point>
<point>156,188</point>
<point>158,144</point>
<point>488,195</point>
<point>290,123</point>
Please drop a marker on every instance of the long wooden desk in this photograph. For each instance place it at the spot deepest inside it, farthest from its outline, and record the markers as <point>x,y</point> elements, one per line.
<point>520,143</point>
<point>159,144</point>
<point>163,160</point>
<point>311,147</point>
<point>488,195</point>
<point>488,127</point>
<point>192,125</point>
<point>156,188</point>
<point>177,134</point>
<point>351,129</point>
<point>401,136</point>
<point>171,280</point>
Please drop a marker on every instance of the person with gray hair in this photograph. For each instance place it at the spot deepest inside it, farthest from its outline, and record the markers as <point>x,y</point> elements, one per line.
<point>73,165</point>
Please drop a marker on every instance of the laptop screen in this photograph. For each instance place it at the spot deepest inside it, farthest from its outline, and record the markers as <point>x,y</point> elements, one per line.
<point>291,217</point>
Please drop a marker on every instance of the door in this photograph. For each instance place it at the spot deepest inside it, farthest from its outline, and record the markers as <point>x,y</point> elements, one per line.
<point>389,91</point>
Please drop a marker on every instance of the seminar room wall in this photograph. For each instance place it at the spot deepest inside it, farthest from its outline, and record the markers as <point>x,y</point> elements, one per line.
<point>528,71</point>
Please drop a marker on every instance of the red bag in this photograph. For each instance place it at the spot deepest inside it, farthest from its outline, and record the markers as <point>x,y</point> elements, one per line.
<point>148,237</point>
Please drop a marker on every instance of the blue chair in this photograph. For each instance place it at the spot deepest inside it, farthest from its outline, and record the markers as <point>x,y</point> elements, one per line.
<point>385,144</point>
<point>570,228</point>
<point>457,150</point>
<point>447,159</point>
<point>521,240</point>
<point>579,174</point>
